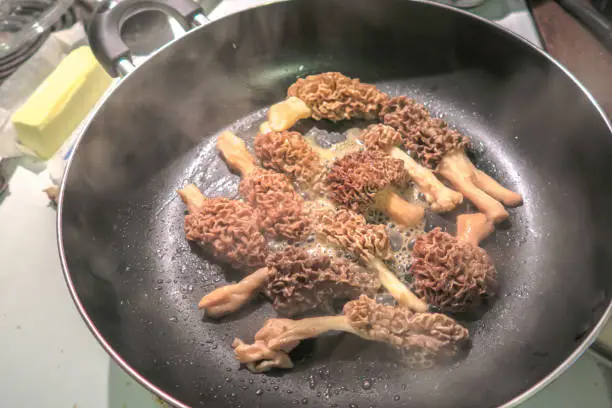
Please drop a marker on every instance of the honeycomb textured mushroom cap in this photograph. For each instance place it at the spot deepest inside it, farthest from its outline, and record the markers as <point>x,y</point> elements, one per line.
<point>355,179</point>
<point>279,208</point>
<point>336,97</point>
<point>428,139</point>
<point>303,281</point>
<point>349,230</point>
<point>424,337</point>
<point>381,137</point>
<point>289,153</point>
<point>229,230</point>
<point>451,274</point>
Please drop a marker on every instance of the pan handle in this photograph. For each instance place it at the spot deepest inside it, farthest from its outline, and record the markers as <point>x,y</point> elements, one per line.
<point>105,28</point>
<point>588,15</point>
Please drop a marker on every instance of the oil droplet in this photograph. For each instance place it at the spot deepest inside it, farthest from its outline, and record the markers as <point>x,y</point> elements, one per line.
<point>353,406</point>
<point>396,398</point>
<point>259,392</point>
<point>311,382</point>
<point>173,319</point>
<point>366,385</point>
<point>304,401</point>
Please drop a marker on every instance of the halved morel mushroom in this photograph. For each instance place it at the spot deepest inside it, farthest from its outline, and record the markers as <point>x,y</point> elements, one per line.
<point>279,207</point>
<point>453,273</point>
<point>425,338</point>
<point>330,95</point>
<point>442,149</point>
<point>368,179</point>
<point>228,229</point>
<point>296,281</point>
<point>387,139</point>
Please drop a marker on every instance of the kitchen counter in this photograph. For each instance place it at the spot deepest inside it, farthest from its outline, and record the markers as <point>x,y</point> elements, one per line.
<point>51,360</point>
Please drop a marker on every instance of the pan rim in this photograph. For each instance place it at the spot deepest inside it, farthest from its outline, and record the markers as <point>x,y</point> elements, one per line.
<point>520,398</point>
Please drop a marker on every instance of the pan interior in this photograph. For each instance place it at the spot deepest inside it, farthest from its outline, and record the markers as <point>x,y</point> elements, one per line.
<point>532,129</point>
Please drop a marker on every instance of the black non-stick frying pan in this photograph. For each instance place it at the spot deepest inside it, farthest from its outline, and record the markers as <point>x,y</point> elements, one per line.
<point>136,280</point>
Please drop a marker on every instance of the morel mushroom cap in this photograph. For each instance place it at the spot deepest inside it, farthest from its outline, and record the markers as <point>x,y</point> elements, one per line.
<point>429,139</point>
<point>381,137</point>
<point>302,281</point>
<point>279,208</point>
<point>426,337</point>
<point>355,179</point>
<point>450,273</point>
<point>229,230</point>
<point>334,96</point>
<point>349,230</point>
<point>289,153</point>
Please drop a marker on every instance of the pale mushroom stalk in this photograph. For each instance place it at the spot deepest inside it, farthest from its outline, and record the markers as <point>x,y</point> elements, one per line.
<point>285,114</point>
<point>387,139</point>
<point>457,168</point>
<point>237,156</point>
<point>235,152</point>
<point>230,298</point>
<point>473,228</point>
<point>428,335</point>
<point>442,149</point>
<point>396,288</point>
<point>192,197</point>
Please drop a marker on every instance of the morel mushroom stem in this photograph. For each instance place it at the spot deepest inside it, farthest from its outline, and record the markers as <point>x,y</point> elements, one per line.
<point>230,298</point>
<point>400,292</point>
<point>287,113</point>
<point>400,210</point>
<point>386,138</point>
<point>440,197</point>
<point>235,152</point>
<point>192,197</point>
<point>457,168</point>
<point>427,335</point>
<point>473,228</point>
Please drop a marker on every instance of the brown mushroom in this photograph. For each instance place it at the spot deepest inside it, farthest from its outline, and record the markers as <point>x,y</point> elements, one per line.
<point>279,207</point>
<point>385,138</point>
<point>297,281</point>
<point>288,153</point>
<point>370,243</point>
<point>342,228</point>
<point>442,149</point>
<point>228,229</point>
<point>454,274</point>
<point>424,337</point>
<point>329,95</point>
<point>366,179</point>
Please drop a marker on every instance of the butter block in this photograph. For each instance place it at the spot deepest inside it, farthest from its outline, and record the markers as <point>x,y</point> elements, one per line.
<point>60,103</point>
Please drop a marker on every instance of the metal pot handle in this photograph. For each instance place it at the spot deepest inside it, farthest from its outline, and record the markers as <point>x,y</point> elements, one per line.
<point>105,28</point>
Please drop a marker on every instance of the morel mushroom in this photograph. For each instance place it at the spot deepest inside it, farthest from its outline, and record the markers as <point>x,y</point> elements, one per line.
<point>331,96</point>
<point>442,149</point>
<point>454,274</point>
<point>297,281</point>
<point>279,207</point>
<point>342,228</point>
<point>288,153</point>
<point>366,179</point>
<point>425,337</point>
<point>386,138</point>
<point>228,229</point>
<point>370,243</point>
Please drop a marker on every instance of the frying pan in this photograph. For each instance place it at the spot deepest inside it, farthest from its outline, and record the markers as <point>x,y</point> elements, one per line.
<point>136,280</point>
